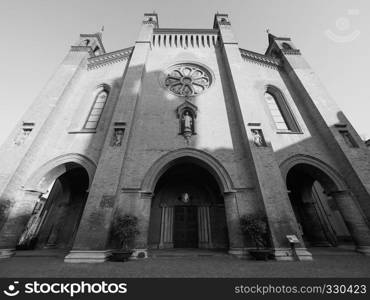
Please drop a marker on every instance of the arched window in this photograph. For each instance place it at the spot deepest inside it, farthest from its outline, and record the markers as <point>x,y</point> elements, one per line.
<point>97,109</point>
<point>280,112</point>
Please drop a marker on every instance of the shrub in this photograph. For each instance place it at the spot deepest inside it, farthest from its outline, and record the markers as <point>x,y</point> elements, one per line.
<point>124,229</point>
<point>255,226</point>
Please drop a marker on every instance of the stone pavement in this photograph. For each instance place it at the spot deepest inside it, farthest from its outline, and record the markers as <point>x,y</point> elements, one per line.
<point>328,262</point>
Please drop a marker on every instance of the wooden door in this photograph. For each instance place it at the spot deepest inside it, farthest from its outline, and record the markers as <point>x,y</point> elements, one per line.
<point>186,227</point>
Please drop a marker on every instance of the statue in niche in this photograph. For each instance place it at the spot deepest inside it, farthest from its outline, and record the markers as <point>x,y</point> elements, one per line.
<point>118,137</point>
<point>188,122</point>
<point>258,139</point>
<point>187,125</point>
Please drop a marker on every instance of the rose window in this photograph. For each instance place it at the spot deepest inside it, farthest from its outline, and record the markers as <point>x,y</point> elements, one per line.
<point>187,79</point>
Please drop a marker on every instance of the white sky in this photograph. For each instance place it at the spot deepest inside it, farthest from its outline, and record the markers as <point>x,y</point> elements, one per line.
<point>36,35</point>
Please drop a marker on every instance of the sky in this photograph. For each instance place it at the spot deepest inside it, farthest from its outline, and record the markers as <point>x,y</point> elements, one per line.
<point>333,36</point>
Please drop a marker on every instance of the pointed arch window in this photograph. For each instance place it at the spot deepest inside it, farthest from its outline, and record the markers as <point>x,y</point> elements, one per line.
<point>280,111</point>
<point>97,108</point>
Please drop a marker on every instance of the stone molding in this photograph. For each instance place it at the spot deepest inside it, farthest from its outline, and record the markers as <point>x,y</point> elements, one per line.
<point>154,23</point>
<point>264,60</point>
<point>291,51</point>
<point>81,49</point>
<point>109,58</point>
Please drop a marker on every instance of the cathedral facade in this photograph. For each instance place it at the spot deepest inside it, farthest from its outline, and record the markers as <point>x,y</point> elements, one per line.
<point>189,133</point>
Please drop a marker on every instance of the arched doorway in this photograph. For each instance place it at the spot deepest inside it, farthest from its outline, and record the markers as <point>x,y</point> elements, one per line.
<point>57,213</point>
<point>319,218</point>
<point>187,209</point>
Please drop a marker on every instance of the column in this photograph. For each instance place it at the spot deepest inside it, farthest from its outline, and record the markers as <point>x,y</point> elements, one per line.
<point>354,219</point>
<point>166,240</point>
<point>204,228</point>
<point>16,222</point>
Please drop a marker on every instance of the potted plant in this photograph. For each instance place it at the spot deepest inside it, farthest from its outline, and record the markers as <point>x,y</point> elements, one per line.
<point>255,227</point>
<point>124,230</point>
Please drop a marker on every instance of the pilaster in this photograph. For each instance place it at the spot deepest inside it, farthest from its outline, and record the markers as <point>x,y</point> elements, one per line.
<point>109,171</point>
<point>270,185</point>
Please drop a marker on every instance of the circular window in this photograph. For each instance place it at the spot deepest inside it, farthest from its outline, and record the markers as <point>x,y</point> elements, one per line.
<point>187,79</point>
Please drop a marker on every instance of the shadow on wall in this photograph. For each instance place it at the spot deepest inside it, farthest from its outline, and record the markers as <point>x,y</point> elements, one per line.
<point>158,120</point>
<point>49,196</point>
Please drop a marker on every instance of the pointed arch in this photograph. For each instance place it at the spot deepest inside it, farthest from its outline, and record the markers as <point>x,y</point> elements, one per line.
<point>196,156</point>
<point>41,179</point>
<point>318,169</point>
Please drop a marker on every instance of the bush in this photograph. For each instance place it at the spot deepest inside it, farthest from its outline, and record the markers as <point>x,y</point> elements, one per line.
<point>124,229</point>
<point>255,226</point>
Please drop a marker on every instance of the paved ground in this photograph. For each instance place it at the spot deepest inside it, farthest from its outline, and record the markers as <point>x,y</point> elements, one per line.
<point>328,262</point>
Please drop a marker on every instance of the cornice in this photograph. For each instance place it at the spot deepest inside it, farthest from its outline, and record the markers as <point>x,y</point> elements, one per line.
<point>82,49</point>
<point>185,30</point>
<point>261,59</point>
<point>109,58</point>
<point>291,51</point>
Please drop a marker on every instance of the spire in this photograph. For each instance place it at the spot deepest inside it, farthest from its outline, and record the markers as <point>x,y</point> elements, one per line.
<point>101,32</point>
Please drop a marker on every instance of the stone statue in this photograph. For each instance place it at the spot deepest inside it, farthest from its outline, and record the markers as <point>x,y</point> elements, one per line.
<point>188,122</point>
<point>257,138</point>
<point>118,137</point>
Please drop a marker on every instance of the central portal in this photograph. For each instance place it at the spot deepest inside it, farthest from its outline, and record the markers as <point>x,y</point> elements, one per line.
<point>188,209</point>
<point>186,227</point>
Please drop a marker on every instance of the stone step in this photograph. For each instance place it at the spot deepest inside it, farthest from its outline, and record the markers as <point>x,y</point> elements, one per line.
<point>42,253</point>
<point>168,253</point>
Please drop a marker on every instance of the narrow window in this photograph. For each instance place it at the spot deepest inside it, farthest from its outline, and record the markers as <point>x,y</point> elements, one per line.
<point>97,109</point>
<point>276,112</point>
<point>280,112</point>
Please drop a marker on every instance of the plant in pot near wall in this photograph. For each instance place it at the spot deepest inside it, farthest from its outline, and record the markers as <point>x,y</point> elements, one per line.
<point>255,226</point>
<point>124,230</point>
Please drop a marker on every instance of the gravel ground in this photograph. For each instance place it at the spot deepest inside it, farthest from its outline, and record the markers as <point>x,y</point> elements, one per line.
<point>326,263</point>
